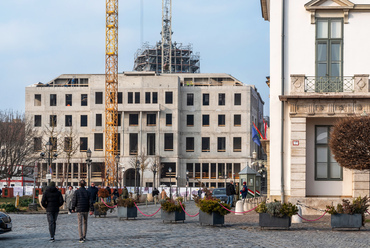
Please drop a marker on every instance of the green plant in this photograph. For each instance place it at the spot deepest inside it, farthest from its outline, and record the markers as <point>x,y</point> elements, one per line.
<point>261,208</point>
<point>9,207</point>
<point>170,205</point>
<point>277,209</point>
<point>25,202</point>
<point>100,207</point>
<point>210,204</point>
<point>128,203</point>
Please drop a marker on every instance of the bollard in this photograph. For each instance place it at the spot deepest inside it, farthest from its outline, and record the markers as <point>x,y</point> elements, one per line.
<point>245,205</point>
<point>239,207</point>
<point>296,218</point>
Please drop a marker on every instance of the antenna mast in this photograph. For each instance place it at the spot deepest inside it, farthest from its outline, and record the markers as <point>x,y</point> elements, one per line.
<point>166,36</point>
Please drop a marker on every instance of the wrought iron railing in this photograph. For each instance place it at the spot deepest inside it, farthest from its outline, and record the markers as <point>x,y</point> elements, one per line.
<point>329,84</point>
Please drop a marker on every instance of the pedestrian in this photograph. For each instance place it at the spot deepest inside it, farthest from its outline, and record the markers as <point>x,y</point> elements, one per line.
<point>244,191</point>
<point>52,199</point>
<point>69,197</point>
<point>155,193</point>
<point>163,195</point>
<point>236,191</point>
<point>109,194</point>
<point>200,193</point>
<point>81,204</point>
<point>124,192</point>
<point>230,192</point>
<point>115,195</point>
<point>43,188</point>
<point>94,192</point>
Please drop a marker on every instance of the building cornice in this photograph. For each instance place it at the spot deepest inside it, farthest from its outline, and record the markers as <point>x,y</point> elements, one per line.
<point>265,9</point>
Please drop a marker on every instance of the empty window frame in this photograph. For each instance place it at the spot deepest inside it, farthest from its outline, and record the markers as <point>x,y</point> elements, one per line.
<point>190,99</point>
<point>237,120</point>
<point>237,144</point>
<point>189,144</point>
<point>190,169</point>
<point>83,99</point>
<point>83,144</point>
<point>154,97</point>
<point>168,119</point>
<point>221,99</point>
<point>133,119</point>
<point>133,143</point>
<point>137,97</point>
<point>37,120</point>
<point>168,97</point>
<point>221,120</point>
<point>221,144</point>
<point>54,143</point>
<point>205,120</point>
<point>53,120</point>
<point>150,142</point>
<point>37,144</point>
<point>68,144</point>
<point>98,141</point>
<point>37,101</point>
<point>206,144</point>
<point>53,100</point>
<point>98,120</point>
<point>168,141</point>
<point>237,99</point>
<point>68,121</point>
<point>68,100</point>
<point>119,119</point>
<point>98,97</point>
<point>151,119</point>
<point>190,120</point>
<point>236,170</point>
<point>83,120</point>
<point>205,99</point>
<point>147,97</point>
<point>130,97</point>
<point>119,99</point>
<point>205,170</point>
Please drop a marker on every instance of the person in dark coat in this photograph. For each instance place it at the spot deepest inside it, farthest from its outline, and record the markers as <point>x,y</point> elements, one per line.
<point>115,195</point>
<point>109,194</point>
<point>237,191</point>
<point>230,192</point>
<point>51,201</point>
<point>155,192</point>
<point>82,203</point>
<point>94,192</point>
<point>124,192</point>
<point>244,191</point>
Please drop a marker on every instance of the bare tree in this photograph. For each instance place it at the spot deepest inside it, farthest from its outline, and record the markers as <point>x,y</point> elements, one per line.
<point>16,143</point>
<point>144,163</point>
<point>157,168</point>
<point>71,146</point>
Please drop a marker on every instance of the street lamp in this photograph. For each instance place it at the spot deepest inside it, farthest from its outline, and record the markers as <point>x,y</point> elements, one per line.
<point>177,185</point>
<point>88,161</point>
<point>123,174</point>
<point>170,171</point>
<point>225,178</point>
<point>154,172</point>
<point>187,182</point>
<point>136,169</point>
<point>117,162</point>
<point>49,159</point>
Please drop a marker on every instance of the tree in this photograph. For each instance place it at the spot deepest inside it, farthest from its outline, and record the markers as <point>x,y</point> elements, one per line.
<point>157,168</point>
<point>144,163</point>
<point>350,143</point>
<point>17,144</point>
<point>71,146</point>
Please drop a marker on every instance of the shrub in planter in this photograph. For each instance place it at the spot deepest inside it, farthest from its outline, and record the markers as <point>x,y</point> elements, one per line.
<point>276,214</point>
<point>126,208</point>
<point>103,193</point>
<point>100,208</point>
<point>172,210</point>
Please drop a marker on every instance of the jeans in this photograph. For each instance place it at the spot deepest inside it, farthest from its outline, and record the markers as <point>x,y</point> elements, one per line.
<point>82,220</point>
<point>230,199</point>
<point>52,219</point>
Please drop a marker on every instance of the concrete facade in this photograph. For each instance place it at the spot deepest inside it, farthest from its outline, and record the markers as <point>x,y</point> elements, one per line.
<point>145,96</point>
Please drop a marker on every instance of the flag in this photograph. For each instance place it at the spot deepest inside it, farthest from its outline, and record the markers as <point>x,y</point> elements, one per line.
<point>50,170</point>
<point>255,136</point>
<point>265,127</point>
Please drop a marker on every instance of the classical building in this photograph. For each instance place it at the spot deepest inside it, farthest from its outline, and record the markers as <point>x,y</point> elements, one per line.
<point>319,74</point>
<point>200,123</point>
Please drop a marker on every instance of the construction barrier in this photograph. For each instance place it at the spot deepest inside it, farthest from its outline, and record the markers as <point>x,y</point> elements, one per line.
<point>8,193</point>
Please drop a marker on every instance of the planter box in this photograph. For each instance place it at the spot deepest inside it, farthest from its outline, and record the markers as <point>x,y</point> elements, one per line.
<point>124,212</point>
<point>265,220</point>
<point>211,219</point>
<point>346,221</point>
<point>172,216</point>
<point>98,213</point>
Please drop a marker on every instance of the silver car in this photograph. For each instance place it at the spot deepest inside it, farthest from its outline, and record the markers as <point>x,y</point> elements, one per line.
<point>220,193</point>
<point>5,223</point>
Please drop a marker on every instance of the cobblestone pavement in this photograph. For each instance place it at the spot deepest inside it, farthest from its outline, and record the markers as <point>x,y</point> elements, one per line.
<point>31,230</point>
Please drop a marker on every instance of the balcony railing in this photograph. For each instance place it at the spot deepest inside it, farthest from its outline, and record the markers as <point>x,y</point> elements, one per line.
<point>329,84</point>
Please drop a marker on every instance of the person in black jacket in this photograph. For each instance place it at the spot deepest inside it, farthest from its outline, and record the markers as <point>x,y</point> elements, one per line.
<point>230,192</point>
<point>94,192</point>
<point>82,203</point>
<point>51,201</point>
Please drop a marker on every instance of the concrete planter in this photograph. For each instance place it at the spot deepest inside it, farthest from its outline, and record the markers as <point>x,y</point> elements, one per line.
<point>173,216</point>
<point>99,213</point>
<point>266,220</point>
<point>346,221</point>
<point>124,212</point>
<point>211,219</point>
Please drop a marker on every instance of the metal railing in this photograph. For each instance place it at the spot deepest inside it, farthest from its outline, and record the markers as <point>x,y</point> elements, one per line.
<point>329,84</point>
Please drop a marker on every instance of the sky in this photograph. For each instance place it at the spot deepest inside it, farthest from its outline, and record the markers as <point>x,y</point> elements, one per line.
<point>42,39</point>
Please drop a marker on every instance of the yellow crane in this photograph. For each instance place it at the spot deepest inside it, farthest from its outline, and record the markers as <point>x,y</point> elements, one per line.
<point>111,89</point>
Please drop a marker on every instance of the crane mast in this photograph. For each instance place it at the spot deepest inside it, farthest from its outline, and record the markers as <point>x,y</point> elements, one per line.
<point>166,36</point>
<point>111,89</point>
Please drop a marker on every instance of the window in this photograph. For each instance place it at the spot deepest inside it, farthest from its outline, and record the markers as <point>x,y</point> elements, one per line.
<point>98,120</point>
<point>133,143</point>
<point>221,120</point>
<point>206,144</point>
<point>37,144</point>
<point>168,141</point>
<point>329,56</point>
<point>68,100</point>
<point>169,97</point>
<point>205,120</point>
<point>150,140</point>
<point>119,99</point>
<point>67,144</point>
<point>221,99</point>
<point>189,144</point>
<point>326,168</point>
<point>98,97</point>
<point>221,144</point>
<point>53,100</point>
<point>151,119</point>
<point>54,143</point>
<point>237,120</point>
<point>190,168</point>
<point>168,119</point>
<point>119,119</point>
<point>130,97</point>
<point>68,121</point>
<point>237,144</point>
<point>37,120</point>
<point>147,97</point>
<point>154,97</point>
<point>37,101</point>
<point>53,120</point>
<point>133,119</point>
<point>83,144</point>
<point>205,99</point>
<point>190,120</point>
<point>83,99</point>
<point>118,143</point>
<point>98,141</point>
<point>83,120</point>
<point>137,97</point>
<point>237,99</point>
<point>190,99</point>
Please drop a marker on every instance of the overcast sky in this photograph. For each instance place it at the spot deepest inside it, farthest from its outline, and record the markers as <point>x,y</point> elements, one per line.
<point>41,39</point>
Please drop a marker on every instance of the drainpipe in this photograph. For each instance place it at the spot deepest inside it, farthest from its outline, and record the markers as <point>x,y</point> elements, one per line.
<point>282,93</point>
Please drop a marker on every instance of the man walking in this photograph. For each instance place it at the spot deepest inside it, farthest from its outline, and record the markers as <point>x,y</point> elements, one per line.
<point>94,192</point>
<point>51,201</point>
<point>82,203</point>
<point>230,192</point>
<point>236,191</point>
<point>124,192</point>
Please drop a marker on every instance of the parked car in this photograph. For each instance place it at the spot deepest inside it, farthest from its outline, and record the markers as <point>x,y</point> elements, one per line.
<point>220,193</point>
<point>5,223</point>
